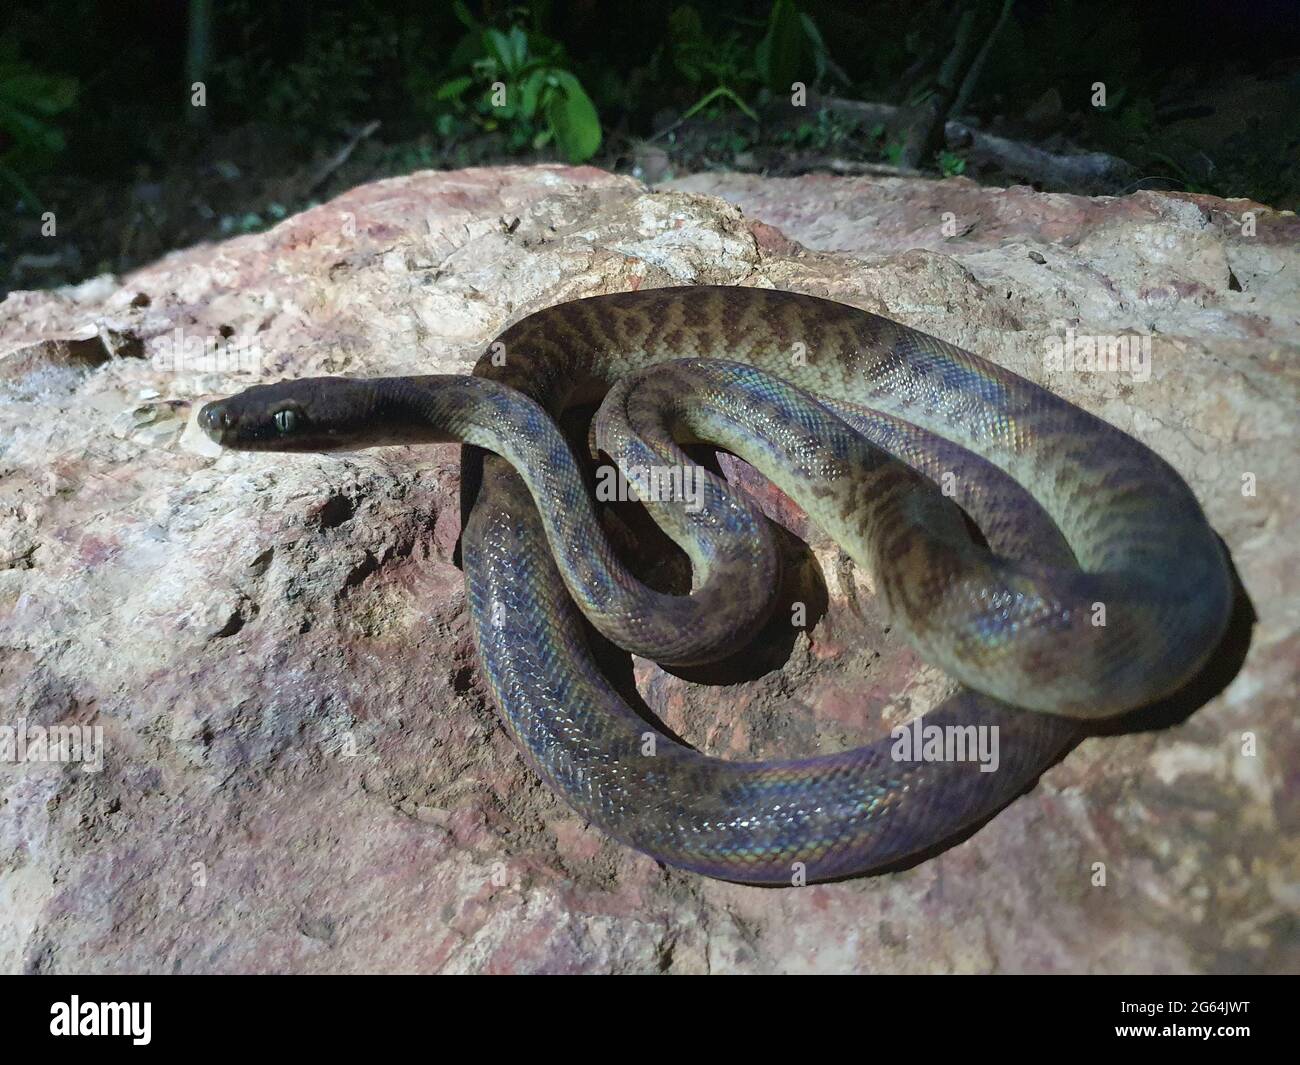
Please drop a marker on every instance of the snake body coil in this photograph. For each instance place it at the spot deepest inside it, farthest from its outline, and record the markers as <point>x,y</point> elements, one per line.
<point>854,416</point>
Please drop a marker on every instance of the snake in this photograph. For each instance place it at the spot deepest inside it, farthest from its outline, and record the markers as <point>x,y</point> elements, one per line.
<point>1057,568</point>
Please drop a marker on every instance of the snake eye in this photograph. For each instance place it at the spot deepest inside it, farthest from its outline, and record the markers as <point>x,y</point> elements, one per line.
<point>286,420</point>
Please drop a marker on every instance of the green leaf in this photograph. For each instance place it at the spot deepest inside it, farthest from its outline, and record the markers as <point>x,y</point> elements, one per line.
<point>454,89</point>
<point>781,48</point>
<point>24,190</point>
<point>573,118</point>
<point>508,49</point>
<point>468,49</point>
<point>31,132</point>
<point>498,47</point>
<point>720,93</point>
<point>530,92</point>
<point>950,164</point>
<point>462,12</point>
<point>518,47</point>
<point>813,37</point>
<point>44,94</point>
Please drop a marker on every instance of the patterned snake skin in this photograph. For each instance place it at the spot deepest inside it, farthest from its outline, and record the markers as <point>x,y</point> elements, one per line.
<point>1098,585</point>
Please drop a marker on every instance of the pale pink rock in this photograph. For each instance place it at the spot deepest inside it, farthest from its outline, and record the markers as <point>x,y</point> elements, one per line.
<point>302,770</point>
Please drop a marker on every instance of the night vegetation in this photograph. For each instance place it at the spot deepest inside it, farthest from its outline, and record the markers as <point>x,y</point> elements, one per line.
<point>301,99</point>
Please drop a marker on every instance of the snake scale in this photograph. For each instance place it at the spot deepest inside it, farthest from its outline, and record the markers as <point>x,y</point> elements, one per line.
<point>1093,585</point>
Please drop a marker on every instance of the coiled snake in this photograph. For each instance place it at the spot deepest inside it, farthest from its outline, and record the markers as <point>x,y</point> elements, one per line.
<point>855,417</point>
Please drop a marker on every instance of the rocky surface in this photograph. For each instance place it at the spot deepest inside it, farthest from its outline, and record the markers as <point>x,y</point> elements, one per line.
<point>301,770</point>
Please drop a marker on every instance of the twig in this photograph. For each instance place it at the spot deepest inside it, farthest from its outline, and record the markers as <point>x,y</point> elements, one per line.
<point>1087,171</point>
<point>339,158</point>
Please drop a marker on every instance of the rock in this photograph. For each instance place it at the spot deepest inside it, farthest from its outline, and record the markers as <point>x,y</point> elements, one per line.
<point>301,770</point>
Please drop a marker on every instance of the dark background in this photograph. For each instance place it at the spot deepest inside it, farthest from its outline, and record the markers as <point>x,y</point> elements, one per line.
<point>96,123</point>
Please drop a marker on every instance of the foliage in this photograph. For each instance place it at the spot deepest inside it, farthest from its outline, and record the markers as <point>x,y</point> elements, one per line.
<point>729,68</point>
<point>29,101</point>
<point>720,93</point>
<point>950,163</point>
<point>791,47</point>
<point>317,92</point>
<point>290,80</point>
<point>826,131</point>
<point>518,81</point>
<point>705,60</point>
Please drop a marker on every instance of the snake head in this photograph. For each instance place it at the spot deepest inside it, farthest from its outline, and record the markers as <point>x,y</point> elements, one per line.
<point>309,414</point>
